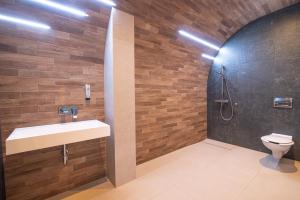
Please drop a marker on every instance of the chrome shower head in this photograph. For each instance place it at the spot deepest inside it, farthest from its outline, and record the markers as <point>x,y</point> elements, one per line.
<point>220,73</point>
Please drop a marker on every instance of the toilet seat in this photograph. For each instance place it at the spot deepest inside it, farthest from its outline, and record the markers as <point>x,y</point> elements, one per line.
<point>278,139</point>
<point>279,144</point>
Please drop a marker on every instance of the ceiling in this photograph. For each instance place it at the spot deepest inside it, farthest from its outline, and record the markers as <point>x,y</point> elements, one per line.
<point>214,20</point>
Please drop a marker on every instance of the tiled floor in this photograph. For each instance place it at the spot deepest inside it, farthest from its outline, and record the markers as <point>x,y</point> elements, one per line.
<point>208,170</point>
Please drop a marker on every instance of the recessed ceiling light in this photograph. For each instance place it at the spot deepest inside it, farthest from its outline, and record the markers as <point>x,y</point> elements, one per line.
<point>108,2</point>
<point>208,56</point>
<point>61,7</point>
<point>24,22</point>
<point>197,39</point>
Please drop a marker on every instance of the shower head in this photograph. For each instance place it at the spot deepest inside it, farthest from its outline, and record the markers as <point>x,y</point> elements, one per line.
<point>220,73</point>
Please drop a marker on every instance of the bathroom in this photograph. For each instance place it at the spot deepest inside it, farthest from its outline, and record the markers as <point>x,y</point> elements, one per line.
<point>149,100</point>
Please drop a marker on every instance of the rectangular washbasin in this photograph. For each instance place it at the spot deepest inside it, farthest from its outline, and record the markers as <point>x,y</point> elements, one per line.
<point>40,137</point>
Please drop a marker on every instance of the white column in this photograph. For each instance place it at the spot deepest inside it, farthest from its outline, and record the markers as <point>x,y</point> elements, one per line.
<point>119,96</point>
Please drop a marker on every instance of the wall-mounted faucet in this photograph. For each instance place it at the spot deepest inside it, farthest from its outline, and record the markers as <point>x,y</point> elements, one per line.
<point>74,113</point>
<point>64,110</point>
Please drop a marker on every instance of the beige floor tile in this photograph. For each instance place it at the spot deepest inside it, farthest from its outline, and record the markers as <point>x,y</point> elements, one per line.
<point>219,144</point>
<point>212,185</point>
<point>94,192</point>
<point>209,170</point>
<point>142,188</point>
<point>173,194</point>
<point>273,185</point>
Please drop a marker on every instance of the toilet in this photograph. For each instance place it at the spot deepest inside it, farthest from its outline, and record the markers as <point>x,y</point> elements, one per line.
<point>279,144</point>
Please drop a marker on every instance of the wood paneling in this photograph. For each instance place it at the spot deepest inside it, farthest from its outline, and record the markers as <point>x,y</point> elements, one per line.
<point>40,70</point>
<point>2,185</point>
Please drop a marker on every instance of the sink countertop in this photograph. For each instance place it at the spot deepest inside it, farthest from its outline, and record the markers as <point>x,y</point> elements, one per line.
<point>39,137</point>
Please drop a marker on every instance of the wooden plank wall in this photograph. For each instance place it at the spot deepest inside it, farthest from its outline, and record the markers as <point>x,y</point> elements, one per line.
<point>40,70</point>
<point>2,184</point>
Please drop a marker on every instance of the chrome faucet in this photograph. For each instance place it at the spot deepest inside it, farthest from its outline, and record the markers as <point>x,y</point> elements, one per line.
<point>68,110</point>
<point>74,113</point>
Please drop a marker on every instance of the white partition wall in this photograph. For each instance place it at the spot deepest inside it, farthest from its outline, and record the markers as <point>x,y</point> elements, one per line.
<point>119,96</point>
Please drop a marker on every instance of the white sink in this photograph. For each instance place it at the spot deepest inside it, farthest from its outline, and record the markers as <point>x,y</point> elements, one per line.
<point>39,137</point>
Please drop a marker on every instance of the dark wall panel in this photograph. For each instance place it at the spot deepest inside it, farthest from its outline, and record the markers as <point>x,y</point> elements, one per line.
<point>262,61</point>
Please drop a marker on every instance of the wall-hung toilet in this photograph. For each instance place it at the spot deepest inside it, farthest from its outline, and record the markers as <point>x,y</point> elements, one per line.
<point>279,144</point>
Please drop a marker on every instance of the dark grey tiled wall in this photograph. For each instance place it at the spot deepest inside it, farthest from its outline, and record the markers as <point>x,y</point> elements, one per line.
<point>261,61</point>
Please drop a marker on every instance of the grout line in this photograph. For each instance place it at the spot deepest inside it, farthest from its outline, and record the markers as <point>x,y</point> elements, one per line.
<point>248,184</point>
<point>218,145</point>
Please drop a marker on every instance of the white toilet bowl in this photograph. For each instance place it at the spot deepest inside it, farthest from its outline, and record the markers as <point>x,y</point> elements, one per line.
<point>279,144</point>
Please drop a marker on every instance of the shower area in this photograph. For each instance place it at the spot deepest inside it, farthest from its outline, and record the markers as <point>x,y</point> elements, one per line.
<point>256,65</point>
<point>223,101</point>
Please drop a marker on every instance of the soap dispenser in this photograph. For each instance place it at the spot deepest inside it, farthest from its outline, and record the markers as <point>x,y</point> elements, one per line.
<point>87,92</point>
